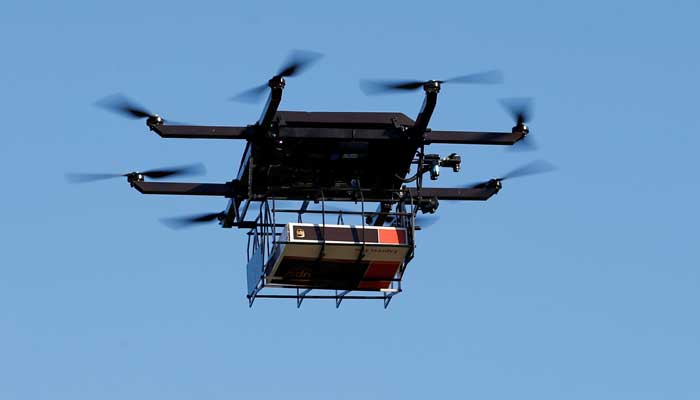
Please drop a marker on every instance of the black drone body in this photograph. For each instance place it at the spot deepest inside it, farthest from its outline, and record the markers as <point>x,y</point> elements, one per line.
<point>360,157</point>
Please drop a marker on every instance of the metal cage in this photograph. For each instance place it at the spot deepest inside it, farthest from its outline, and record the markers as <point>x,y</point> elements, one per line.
<point>266,238</point>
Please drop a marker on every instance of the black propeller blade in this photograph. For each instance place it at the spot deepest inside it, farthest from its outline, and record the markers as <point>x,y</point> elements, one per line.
<point>120,104</point>
<point>84,178</point>
<point>191,220</point>
<point>521,111</point>
<point>298,61</point>
<point>251,95</point>
<point>377,87</point>
<point>532,168</point>
<point>194,169</point>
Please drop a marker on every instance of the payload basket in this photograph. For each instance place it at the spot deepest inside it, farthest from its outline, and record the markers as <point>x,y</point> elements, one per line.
<point>318,260</point>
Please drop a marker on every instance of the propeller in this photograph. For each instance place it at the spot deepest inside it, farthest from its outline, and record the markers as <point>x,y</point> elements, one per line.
<point>532,168</point>
<point>194,169</point>
<point>120,104</point>
<point>191,220</point>
<point>297,62</point>
<point>521,111</point>
<point>372,87</point>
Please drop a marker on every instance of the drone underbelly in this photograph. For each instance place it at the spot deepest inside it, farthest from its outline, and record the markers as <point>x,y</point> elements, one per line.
<point>291,163</point>
<point>333,151</point>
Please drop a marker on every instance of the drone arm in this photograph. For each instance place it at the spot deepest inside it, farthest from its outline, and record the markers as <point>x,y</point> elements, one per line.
<point>431,92</point>
<point>458,137</point>
<point>201,132</point>
<point>181,188</point>
<point>477,194</point>
<point>227,190</point>
<point>273,101</point>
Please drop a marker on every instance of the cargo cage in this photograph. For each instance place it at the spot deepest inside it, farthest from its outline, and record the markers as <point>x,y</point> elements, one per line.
<point>301,260</point>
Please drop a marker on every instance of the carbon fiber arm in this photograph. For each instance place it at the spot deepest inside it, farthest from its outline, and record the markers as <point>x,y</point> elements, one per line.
<point>459,137</point>
<point>188,189</point>
<point>201,132</point>
<point>478,194</point>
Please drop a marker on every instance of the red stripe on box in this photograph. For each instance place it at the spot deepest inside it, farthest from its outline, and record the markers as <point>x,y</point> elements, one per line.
<point>392,236</point>
<point>379,270</point>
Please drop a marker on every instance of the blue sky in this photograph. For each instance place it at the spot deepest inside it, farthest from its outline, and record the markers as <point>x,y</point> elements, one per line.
<point>578,284</point>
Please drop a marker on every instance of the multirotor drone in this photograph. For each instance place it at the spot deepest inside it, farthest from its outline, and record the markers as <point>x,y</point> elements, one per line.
<point>374,160</point>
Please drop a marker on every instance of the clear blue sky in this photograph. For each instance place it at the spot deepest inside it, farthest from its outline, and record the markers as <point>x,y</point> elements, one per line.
<point>579,284</point>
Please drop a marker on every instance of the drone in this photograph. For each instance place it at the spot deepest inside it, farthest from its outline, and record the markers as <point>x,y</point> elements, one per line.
<point>377,161</point>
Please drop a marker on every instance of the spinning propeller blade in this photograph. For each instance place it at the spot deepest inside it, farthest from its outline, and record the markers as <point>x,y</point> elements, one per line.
<point>120,104</point>
<point>372,87</point>
<point>532,168</point>
<point>191,220</point>
<point>298,61</point>
<point>84,178</point>
<point>194,169</point>
<point>521,110</point>
<point>252,95</point>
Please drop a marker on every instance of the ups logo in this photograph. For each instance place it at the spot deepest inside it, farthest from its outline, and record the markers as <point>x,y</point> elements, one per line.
<point>299,233</point>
